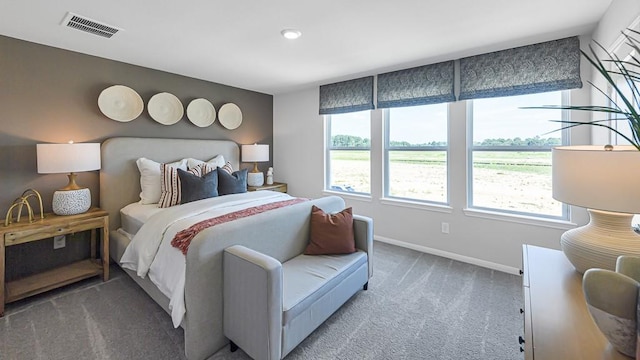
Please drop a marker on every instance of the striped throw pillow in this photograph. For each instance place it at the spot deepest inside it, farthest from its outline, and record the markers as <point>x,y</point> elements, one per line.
<point>228,168</point>
<point>202,169</point>
<point>171,193</point>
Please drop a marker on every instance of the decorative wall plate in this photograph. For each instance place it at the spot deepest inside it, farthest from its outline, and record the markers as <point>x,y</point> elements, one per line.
<point>230,116</point>
<point>201,112</point>
<point>120,103</point>
<point>165,108</point>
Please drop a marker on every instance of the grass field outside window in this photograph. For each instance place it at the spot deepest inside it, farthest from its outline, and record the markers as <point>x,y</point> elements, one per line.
<point>350,170</point>
<point>510,154</point>
<point>509,180</point>
<point>348,152</point>
<point>416,152</point>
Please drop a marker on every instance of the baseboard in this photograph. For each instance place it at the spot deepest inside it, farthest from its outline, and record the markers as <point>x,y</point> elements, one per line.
<point>450,255</point>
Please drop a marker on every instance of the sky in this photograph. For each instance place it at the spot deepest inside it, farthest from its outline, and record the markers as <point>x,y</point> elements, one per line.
<point>493,118</point>
<point>504,118</point>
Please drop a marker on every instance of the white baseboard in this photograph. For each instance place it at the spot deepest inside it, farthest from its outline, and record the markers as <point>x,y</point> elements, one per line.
<point>450,255</point>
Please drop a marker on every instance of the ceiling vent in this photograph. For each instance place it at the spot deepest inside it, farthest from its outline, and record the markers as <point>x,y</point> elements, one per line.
<point>85,24</point>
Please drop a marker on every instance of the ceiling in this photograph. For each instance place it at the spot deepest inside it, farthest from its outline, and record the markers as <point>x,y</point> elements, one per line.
<point>238,42</point>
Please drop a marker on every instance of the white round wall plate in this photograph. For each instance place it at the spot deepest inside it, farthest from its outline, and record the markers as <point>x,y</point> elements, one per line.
<point>201,112</point>
<point>165,108</point>
<point>230,116</point>
<point>120,103</point>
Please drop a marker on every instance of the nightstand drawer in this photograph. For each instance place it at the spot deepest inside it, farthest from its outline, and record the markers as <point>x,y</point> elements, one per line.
<point>45,231</point>
<point>280,187</point>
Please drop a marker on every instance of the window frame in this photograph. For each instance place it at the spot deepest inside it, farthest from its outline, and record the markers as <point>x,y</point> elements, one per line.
<point>328,145</point>
<point>386,186</point>
<point>565,139</point>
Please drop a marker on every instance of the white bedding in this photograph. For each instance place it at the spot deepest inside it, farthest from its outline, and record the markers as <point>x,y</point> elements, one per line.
<point>133,216</point>
<point>151,253</point>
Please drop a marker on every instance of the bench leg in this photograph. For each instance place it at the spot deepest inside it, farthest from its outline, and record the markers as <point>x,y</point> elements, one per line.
<point>232,346</point>
<point>365,286</point>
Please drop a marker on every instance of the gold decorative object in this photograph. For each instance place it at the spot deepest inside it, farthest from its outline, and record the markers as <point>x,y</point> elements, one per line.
<point>22,201</point>
<point>33,192</point>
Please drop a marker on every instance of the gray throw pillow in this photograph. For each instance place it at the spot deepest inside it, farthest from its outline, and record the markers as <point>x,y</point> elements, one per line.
<point>234,183</point>
<point>193,187</point>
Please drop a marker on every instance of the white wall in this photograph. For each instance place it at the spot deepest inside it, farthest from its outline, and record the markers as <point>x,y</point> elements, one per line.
<point>494,242</point>
<point>620,15</point>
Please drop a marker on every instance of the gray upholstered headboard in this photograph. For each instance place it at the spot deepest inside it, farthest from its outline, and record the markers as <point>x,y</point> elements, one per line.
<point>119,175</point>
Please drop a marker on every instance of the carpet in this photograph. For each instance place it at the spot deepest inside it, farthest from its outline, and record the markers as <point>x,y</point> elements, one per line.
<point>418,306</point>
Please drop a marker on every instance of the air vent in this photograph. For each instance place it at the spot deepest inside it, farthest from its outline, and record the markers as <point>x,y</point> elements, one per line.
<point>85,24</point>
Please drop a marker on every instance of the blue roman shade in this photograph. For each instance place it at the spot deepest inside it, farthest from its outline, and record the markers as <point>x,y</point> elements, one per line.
<point>548,66</point>
<point>347,96</point>
<point>429,84</point>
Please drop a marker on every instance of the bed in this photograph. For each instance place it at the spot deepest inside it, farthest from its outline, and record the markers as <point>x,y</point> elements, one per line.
<point>276,232</point>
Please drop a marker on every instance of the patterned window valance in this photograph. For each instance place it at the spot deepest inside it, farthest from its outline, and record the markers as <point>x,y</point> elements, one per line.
<point>548,66</point>
<point>429,84</point>
<point>347,96</point>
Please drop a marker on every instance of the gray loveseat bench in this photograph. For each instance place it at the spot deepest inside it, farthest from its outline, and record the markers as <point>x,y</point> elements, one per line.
<point>271,306</point>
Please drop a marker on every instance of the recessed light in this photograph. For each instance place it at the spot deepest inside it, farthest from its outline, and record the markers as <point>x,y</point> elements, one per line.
<point>291,34</point>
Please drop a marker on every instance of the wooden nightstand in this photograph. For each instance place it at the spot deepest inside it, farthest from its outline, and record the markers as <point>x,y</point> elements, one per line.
<point>54,225</point>
<point>281,187</point>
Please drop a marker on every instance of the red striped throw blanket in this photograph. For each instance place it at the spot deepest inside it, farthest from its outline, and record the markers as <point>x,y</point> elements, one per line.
<point>182,240</point>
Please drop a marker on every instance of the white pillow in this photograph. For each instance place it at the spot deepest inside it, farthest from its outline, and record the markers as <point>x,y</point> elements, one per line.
<point>216,162</point>
<point>150,178</point>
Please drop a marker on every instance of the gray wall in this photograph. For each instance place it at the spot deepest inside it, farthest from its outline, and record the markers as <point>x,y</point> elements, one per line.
<point>49,95</point>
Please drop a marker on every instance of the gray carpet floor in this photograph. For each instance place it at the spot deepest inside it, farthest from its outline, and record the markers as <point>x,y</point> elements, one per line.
<point>418,306</point>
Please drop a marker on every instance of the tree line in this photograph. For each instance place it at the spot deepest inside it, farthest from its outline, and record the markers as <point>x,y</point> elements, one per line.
<point>357,141</point>
<point>534,141</point>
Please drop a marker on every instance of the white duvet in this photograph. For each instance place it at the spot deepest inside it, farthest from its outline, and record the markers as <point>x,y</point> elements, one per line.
<point>150,252</point>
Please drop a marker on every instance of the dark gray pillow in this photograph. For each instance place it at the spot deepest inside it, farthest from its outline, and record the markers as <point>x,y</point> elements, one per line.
<point>235,183</point>
<point>193,187</point>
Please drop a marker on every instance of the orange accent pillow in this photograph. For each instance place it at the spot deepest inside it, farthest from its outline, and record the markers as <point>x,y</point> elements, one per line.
<point>331,233</point>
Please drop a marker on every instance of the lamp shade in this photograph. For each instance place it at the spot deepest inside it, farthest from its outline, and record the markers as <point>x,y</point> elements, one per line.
<point>590,177</point>
<point>68,158</point>
<point>255,153</point>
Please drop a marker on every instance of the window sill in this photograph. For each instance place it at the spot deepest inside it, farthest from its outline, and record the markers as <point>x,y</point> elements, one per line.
<point>417,205</point>
<point>521,219</point>
<point>348,195</point>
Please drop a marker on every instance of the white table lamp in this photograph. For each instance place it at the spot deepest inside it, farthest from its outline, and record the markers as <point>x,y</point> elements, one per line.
<point>69,158</point>
<point>606,182</point>
<point>255,153</point>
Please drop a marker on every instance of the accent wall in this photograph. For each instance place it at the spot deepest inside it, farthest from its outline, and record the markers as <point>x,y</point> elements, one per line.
<point>49,95</point>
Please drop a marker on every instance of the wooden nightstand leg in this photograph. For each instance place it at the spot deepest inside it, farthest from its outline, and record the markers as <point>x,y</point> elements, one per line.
<point>105,250</point>
<point>93,244</point>
<point>2,294</point>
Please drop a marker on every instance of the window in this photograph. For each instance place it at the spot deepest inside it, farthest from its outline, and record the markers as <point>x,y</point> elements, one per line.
<point>416,143</point>
<point>510,154</point>
<point>348,165</point>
